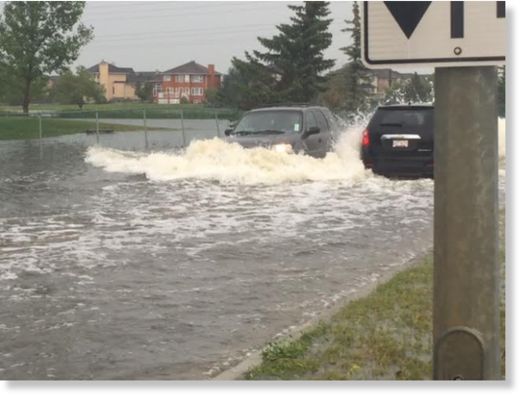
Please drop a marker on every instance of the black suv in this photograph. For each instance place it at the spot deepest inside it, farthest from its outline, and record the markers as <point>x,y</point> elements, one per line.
<point>289,129</point>
<point>399,141</point>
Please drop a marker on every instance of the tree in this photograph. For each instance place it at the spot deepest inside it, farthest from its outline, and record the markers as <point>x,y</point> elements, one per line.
<point>296,53</point>
<point>144,90</point>
<point>291,67</point>
<point>334,96</point>
<point>357,78</point>
<point>77,88</point>
<point>395,94</point>
<point>210,98</point>
<point>247,84</point>
<point>418,89</point>
<point>38,39</point>
<point>415,89</point>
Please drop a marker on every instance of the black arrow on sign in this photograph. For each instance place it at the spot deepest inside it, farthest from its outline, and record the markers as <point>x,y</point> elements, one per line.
<point>407,14</point>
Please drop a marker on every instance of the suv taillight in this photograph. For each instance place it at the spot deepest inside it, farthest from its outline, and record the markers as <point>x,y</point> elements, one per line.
<point>365,140</point>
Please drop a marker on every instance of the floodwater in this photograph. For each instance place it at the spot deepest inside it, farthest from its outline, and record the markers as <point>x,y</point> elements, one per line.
<point>118,262</point>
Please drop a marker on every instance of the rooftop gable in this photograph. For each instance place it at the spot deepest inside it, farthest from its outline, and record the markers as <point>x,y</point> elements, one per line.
<point>111,69</point>
<point>191,67</point>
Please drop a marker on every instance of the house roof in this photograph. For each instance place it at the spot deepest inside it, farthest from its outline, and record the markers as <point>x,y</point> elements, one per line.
<point>142,77</point>
<point>111,69</point>
<point>191,67</point>
<point>386,73</point>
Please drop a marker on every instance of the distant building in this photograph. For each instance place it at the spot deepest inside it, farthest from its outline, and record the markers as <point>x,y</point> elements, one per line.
<point>189,81</point>
<point>121,83</point>
<point>116,81</point>
<point>383,79</point>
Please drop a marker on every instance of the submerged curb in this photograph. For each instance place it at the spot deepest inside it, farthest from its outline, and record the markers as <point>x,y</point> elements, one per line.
<point>238,371</point>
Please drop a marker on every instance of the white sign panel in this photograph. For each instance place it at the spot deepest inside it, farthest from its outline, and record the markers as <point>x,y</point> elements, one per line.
<point>433,33</point>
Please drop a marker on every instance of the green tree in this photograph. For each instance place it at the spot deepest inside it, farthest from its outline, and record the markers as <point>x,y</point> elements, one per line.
<point>210,97</point>
<point>334,96</point>
<point>395,94</point>
<point>144,91</point>
<point>418,89</point>
<point>38,39</point>
<point>290,68</point>
<point>357,77</point>
<point>77,88</point>
<point>248,84</point>
<point>296,53</point>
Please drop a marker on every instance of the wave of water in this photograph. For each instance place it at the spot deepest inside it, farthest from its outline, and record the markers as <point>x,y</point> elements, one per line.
<point>215,159</point>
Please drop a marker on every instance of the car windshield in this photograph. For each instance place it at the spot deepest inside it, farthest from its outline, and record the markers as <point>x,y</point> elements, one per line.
<point>269,122</point>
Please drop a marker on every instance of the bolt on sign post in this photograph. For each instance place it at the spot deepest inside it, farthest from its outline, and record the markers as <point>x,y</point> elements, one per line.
<point>464,41</point>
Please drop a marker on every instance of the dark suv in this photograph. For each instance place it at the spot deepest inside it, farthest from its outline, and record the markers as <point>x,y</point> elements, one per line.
<point>289,129</point>
<point>399,141</point>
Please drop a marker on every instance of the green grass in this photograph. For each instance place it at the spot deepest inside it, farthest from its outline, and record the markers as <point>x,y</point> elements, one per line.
<point>28,127</point>
<point>386,335</point>
<point>129,110</point>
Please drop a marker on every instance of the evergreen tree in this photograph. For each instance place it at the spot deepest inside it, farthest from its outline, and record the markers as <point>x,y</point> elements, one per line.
<point>291,67</point>
<point>296,53</point>
<point>247,84</point>
<point>357,77</point>
<point>418,89</point>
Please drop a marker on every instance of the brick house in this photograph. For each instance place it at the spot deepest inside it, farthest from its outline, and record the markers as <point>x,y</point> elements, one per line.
<point>189,81</point>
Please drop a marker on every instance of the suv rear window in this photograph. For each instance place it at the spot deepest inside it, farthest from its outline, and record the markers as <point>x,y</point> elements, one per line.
<point>404,118</point>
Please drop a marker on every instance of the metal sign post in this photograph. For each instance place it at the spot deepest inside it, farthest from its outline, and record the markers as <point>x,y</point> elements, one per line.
<point>463,40</point>
<point>466,274</point>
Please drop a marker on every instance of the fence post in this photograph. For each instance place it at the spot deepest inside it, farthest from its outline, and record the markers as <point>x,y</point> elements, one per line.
<point>216,122</point>
<point>40,133</point>
<point>182,126</point>
<point>97,127</point>
<point>40,127</point>
<point>145,129</point>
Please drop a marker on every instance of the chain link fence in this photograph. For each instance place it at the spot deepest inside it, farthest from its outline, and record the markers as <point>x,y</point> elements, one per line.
<point>147,127</point>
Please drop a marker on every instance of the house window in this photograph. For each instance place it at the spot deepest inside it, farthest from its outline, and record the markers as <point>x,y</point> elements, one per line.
<point>197,79</point>
<point>167,78</point>
<point>197,91</point>
<point>179,78</point>
<point>186,78</point>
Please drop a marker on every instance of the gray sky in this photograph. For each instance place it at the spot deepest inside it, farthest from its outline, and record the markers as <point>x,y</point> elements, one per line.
<point>159,35</point>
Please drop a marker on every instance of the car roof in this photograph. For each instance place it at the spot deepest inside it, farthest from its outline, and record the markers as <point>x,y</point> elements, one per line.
<point>410,106</point>
<point>285,107</point>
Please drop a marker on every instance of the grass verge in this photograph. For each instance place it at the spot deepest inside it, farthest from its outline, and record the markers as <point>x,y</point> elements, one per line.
<point>386,335</point>
<point>28,127</point>
<point>132,110</point>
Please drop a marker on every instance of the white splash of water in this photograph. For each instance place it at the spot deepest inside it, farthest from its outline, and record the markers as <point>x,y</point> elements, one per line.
<point>215,159</point>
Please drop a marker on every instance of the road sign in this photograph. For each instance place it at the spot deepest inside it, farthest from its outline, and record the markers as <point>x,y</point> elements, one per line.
<point>433,33</point>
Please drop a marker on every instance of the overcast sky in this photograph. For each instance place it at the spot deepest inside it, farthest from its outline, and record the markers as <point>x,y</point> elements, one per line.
<point>158,35</point>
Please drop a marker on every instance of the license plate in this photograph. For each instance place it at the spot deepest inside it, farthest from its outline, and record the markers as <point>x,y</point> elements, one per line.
<point>400,143</point>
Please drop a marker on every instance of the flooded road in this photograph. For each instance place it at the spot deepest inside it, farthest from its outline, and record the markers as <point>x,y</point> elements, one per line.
<point>118,263</point>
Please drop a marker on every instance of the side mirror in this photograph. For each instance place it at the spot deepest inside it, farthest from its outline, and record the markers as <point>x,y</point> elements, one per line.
<point>228,132</point>
<point>311,131</point>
